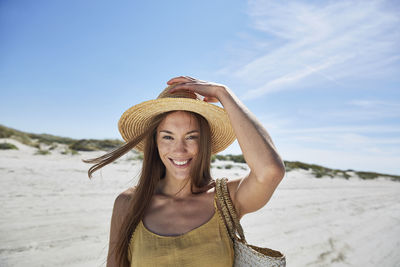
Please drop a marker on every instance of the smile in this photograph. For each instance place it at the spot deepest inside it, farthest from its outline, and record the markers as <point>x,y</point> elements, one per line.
<point>180,163</point>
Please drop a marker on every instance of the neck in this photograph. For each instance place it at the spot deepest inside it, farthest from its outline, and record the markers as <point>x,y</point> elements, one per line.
<point>175,188</point>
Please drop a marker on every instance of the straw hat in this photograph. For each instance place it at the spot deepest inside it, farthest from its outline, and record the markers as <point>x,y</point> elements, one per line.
<point>135,120</point>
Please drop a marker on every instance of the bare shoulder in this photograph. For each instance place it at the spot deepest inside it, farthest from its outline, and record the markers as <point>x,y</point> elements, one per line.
<point>121,204</point>
<point>124,198</point>
<point>128,193</point>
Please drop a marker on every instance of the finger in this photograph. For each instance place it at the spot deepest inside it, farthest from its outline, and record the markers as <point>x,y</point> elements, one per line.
<point>180,79</point>
<point>191,78</point>
<point>210,99</point>
<point>182,86</point>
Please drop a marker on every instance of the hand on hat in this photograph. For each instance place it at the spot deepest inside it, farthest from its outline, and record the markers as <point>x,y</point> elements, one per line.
<point>209,90</point>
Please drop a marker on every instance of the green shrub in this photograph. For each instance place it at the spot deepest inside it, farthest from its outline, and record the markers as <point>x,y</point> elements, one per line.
<point>37,145</point>
<point>74,152</point>
<point>136,157</point>
<point>213,157</point>
<point>5,146</point>
<point>92,144</point>
<point>319,171</point>
<point>49,139</point>
<point>42,152</point>
<point>26,138</point>
<point>36,139</point>
<point>139,156</point>
<point>374,175</point>
<point>53,146</point>
<point>367,175</point>
<point>395,178</point>
<point>83,145</point>
<point>290,165</point>
<point>344,174</point>
<point>237,158</point>
<point>70,151</point>
<point>22,137</point>
<point>228,166</point>
<point>229,157</point>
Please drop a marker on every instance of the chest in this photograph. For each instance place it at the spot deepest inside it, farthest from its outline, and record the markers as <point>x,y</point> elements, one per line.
<point>171,218</point>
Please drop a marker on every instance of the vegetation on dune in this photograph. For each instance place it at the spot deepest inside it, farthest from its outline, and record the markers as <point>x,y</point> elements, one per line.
<point>229,157</point>
<point>320,171</point>
<point>317,170</point>
<point>49,139</point>
<point>22,137</point>
<point>6,145</point>
<point>42,152</point>
<point>33,139</point>
<point>70,152</point>
<point>228,166</point>
<point>373,175</point>
<point>53,146</point>
<point>93,144</point>
<point>37,140</point>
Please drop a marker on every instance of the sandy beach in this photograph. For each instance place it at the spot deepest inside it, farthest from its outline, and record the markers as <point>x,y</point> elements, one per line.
<point>53,215</point>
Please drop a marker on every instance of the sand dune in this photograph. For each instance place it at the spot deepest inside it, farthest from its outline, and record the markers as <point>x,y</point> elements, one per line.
<point>53,215</point>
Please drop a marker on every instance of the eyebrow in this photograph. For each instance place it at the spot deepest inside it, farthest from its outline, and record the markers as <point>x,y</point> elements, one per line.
<point>169,132</point>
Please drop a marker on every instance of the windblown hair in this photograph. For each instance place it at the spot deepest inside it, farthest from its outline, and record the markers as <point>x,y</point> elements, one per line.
<point>153,170</point>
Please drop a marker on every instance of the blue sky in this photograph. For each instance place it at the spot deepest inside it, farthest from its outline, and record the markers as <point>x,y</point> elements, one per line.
<point>322,76</point>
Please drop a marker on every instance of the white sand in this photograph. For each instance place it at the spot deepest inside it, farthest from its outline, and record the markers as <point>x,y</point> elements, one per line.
<point>53,215</point>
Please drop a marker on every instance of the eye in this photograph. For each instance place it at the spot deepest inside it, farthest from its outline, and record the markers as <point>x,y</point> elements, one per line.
<point>192,137</point>
<point>167,137</point>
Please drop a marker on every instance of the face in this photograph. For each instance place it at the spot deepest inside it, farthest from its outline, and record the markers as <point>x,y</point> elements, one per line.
<point>178,143</point>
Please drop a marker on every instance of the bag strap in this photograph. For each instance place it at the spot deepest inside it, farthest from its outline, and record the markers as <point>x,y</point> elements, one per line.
<point>228,210</point>
<point>224,209</point>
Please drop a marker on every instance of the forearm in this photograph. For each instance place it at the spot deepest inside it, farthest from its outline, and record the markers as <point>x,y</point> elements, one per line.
<point>255,142</point>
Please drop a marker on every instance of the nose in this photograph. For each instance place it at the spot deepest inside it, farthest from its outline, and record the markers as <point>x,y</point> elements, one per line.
<point>180,146</point>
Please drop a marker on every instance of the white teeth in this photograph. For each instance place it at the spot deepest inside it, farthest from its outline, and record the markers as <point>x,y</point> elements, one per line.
<point>180,162</point>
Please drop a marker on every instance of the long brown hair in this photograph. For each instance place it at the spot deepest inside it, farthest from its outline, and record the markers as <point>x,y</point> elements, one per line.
<point>153,170</point>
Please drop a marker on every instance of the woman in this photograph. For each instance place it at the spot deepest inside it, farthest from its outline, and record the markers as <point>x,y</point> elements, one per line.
<point>171,217</point>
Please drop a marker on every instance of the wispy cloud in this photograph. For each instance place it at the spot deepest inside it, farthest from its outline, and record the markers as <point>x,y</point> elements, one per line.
<point>362,110</point>
<point>344,129</point>
<point>325,41</point>
<point>367,103</point>
<point>350,47</point>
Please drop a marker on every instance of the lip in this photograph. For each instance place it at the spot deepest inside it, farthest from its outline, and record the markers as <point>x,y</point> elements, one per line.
<point>181,166</point>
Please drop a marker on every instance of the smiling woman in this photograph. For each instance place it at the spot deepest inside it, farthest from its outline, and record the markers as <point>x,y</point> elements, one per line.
<point>177,143</point>
<point>172,217</point>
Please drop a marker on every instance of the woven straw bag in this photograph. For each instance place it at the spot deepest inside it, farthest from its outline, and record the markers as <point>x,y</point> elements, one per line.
<point>245,254</point>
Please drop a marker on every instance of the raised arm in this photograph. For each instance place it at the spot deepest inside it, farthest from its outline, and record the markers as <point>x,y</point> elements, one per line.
<point>266,166</point>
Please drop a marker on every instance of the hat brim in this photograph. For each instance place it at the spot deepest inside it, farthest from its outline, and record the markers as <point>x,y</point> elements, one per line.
<point>135,120</point>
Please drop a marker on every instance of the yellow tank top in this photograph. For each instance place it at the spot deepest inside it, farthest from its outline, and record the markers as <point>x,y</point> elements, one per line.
<point>207,245</point>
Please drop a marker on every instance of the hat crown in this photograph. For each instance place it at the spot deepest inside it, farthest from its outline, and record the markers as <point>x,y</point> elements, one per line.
<point>136,119</point>
<point>177,94</point>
